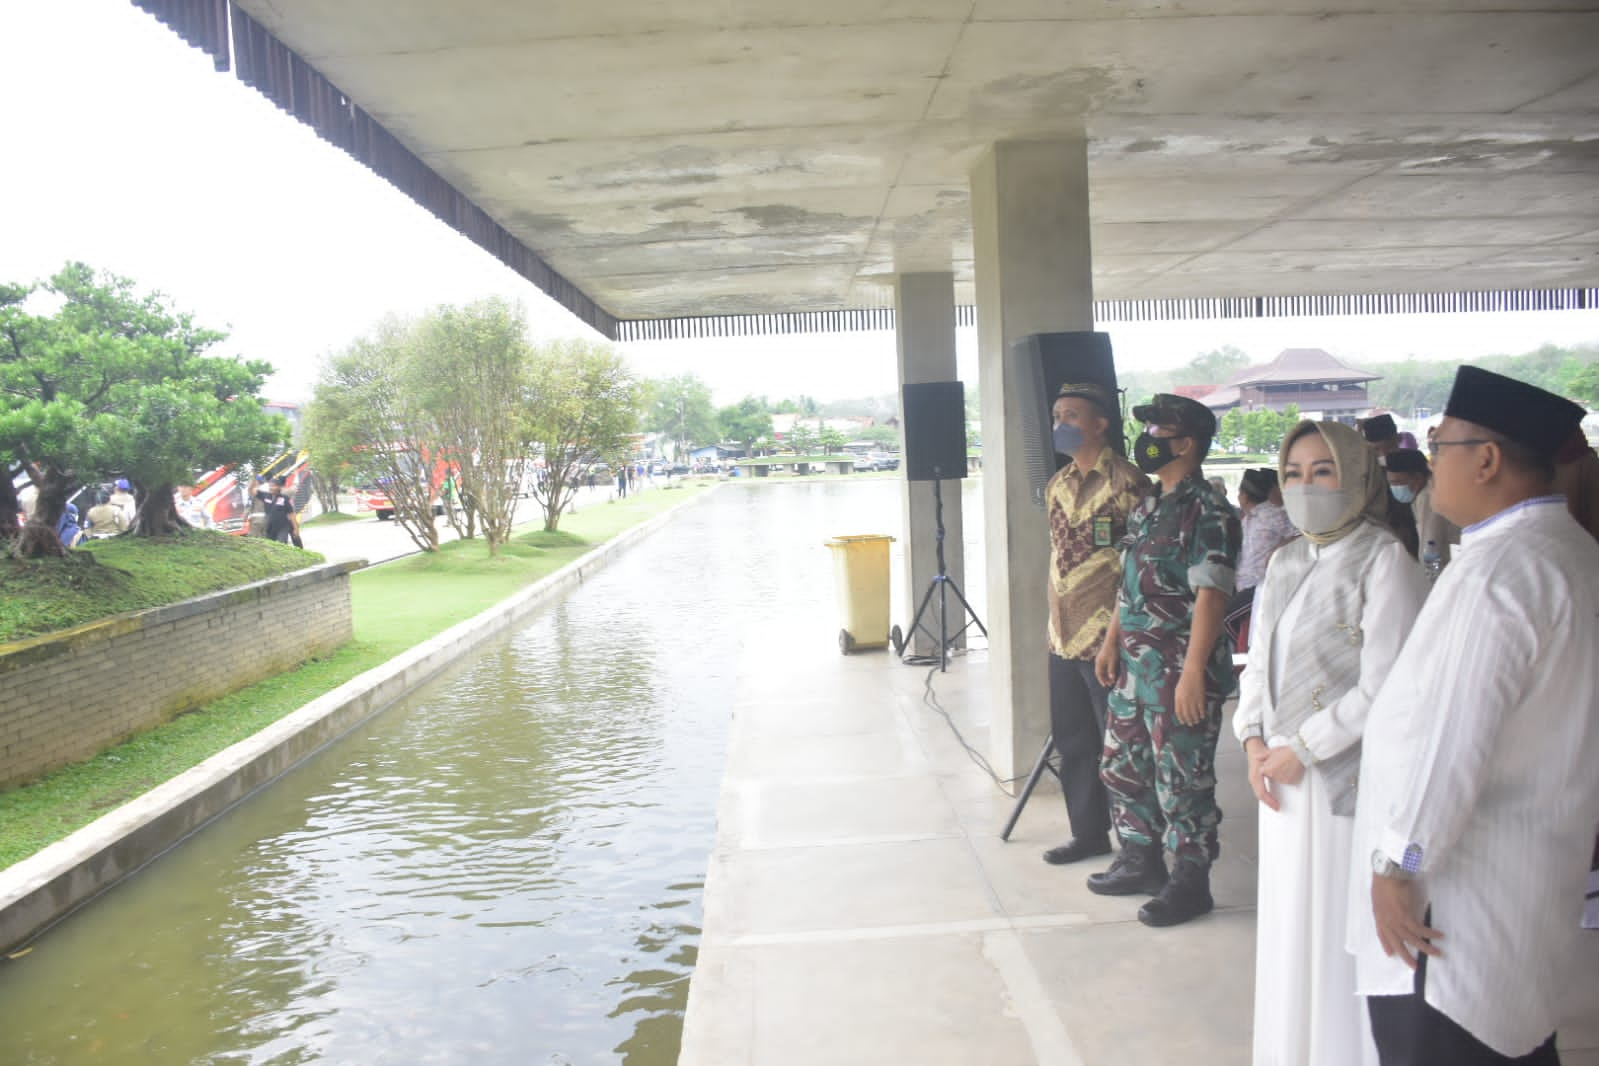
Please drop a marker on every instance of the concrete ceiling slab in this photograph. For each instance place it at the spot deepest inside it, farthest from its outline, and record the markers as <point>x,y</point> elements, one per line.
<point>1482,233</point>
<point>717,157</point>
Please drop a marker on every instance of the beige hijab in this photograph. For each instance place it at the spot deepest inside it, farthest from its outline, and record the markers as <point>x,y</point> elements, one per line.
<point>1359,471</point>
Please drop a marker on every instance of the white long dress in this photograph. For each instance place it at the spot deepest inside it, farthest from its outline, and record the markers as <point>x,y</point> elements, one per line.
<point>1307,1012</point>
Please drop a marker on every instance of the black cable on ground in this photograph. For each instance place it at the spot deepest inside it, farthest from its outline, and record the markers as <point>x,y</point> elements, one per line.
<point>930,698</point>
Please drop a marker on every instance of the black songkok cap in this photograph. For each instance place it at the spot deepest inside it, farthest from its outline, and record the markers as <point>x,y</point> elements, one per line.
<point>1259,482</point>
<point>1526,414</point>
<point>1379,428</point>
<point>1406,461</point>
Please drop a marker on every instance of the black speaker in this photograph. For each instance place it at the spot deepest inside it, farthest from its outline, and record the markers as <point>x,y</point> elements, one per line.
<point>1048,361</point>
<point>935,430</point>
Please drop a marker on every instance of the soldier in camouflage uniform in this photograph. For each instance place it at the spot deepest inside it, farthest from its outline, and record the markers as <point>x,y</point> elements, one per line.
<point>1171,667</point>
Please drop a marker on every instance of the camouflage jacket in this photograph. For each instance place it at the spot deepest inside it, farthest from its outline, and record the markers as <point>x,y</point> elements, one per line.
<point>1177,543</point>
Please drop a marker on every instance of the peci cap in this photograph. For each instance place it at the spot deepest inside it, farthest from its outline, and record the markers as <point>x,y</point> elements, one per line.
<point>1406,461</point>
<point>1526,414</point>
<point>1096,394</point>
<point>1177,412</point>
<point>1378,428</point>
<point>1259,481</point>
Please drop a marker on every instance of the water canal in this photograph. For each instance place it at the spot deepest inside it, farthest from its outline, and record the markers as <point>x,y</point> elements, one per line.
<point>505,867</point>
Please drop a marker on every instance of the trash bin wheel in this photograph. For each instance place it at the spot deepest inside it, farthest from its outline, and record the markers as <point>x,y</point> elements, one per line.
<point>846,643</point>
<point>897,638</point>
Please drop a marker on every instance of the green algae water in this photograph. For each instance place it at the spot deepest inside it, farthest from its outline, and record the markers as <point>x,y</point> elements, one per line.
<point>505,867</point>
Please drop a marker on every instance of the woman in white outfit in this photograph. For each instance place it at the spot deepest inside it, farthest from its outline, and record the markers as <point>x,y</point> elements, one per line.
<point>1329,620</point>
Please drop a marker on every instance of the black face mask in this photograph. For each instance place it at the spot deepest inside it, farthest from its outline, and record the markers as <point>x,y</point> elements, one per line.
<point>1151,452</point>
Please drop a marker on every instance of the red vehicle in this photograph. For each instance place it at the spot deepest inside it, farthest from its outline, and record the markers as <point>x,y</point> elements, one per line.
<point>227,503</point>
<point>374,496</point>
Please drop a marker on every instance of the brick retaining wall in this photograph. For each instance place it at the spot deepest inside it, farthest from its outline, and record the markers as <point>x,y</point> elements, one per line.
<point>72,694</point>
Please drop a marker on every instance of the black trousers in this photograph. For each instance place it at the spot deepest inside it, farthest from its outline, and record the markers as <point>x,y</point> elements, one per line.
<point>1409,1031</point>
<point>1077,718</point>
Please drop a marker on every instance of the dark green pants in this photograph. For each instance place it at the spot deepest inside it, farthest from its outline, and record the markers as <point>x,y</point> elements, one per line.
<point>1160,773</point>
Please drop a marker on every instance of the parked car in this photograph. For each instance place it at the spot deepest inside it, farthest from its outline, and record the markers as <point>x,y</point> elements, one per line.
<point>886,462</point>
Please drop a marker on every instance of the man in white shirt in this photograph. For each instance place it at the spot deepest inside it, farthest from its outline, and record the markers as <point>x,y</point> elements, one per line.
<point>1477,796</point>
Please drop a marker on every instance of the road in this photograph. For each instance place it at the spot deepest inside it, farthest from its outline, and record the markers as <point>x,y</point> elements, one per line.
<point>378,542</point>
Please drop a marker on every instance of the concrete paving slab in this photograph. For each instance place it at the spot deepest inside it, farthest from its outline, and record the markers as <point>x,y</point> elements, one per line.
<point>1146,997</point>
<point>876,753</point>
<point>928,999</point>
<point>861,908</point>
<point>782,814</point>
<point>852,886</point>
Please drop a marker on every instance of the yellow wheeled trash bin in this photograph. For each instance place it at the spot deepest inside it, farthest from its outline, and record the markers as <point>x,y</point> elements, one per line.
<point>860,569</point>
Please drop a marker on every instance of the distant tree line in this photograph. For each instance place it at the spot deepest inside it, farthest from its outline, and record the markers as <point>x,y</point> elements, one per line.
<point>100,381</point>
<point>1411,384</point>
<point>681,408</point>
<point>1405,385</point>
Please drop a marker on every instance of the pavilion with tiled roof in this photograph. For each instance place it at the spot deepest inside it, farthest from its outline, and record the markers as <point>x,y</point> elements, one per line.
<point>1312,379</point>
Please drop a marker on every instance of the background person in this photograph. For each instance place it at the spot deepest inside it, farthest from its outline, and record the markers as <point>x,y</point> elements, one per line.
<point>1328,623</point>
<point>122,497</point>
<point>282,520</point>
<point>1382,433</point>
<point>105,518</point>
<point>1577,479</point>
<point>1088,501</point>
<point>1265,527</point>
<point>189,509</point>
<point>1172,667</point>
<point>1410,484</point>
<point>67,529</point>
<point>1478,796</point>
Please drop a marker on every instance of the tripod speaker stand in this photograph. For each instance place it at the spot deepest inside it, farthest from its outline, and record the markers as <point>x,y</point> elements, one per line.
<point>942,585</point>
<point>1046,761</point>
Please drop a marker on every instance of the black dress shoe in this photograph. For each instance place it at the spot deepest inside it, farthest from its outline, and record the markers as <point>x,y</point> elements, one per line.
<point>1185,897</point>
<point>1078,848</point>
<point>1138,871</point>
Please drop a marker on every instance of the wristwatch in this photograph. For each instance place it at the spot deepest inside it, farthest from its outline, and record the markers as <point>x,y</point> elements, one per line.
<point>1383,866</point>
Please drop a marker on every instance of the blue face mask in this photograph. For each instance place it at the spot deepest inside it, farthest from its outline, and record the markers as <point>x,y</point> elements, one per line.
<point>1068,438</point>
<point>1403,493</point>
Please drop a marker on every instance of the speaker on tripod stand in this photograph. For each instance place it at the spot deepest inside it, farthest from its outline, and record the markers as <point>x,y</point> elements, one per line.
<point>935,450</point>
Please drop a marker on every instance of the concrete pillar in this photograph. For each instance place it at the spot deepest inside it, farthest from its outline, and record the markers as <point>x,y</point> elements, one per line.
<point>924,310</point>
<point>1034,275</point>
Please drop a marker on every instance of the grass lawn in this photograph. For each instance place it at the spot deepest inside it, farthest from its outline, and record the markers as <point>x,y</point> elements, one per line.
<point>329,518</point>
<point>122,574</point>
<point>397,605</point>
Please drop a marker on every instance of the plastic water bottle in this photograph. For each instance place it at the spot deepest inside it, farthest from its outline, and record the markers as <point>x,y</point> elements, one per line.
<point>1432,562</point>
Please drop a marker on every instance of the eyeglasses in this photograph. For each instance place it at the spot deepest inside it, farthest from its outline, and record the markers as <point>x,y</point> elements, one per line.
<point>1433,446</point>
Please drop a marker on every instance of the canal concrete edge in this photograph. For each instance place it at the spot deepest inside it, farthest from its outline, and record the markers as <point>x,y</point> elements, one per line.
<point>45,887</point>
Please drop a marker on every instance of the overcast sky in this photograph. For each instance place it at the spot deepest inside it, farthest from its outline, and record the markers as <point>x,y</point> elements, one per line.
<point>125,149</point>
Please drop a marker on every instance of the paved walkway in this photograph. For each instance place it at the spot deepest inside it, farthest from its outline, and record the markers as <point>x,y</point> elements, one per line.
<point>861,908</point>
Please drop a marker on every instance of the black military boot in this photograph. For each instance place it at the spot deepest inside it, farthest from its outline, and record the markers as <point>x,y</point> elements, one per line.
<point>1140,869</point>
<point>1185,897</point>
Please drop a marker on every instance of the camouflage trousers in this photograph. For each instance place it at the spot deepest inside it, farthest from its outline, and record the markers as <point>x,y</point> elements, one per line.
<point>1160,773</point>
